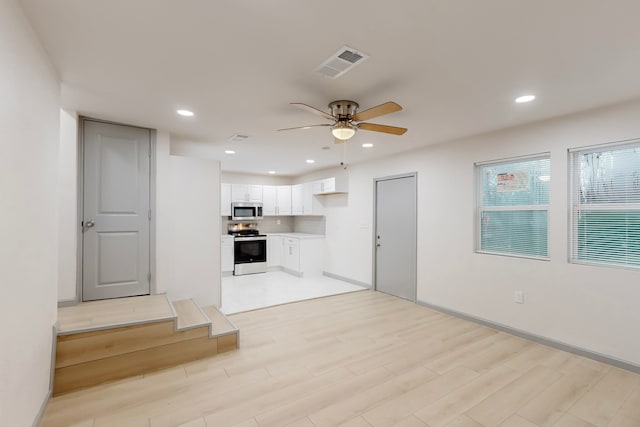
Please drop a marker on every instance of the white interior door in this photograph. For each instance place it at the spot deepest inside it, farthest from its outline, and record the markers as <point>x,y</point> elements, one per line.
<point>116,215</point>
<point>395,236</point>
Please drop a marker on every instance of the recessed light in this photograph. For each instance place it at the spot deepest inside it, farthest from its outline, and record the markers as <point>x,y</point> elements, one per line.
<point>272,172</point>
<point>229,152</point>
<point>525,98</point>
<point>367,145</point>
<point>185,113</point>
<point>310,161</point>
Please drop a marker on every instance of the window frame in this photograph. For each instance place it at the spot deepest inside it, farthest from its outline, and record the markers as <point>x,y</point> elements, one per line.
<point>479,208</point>
<point>573,202</point>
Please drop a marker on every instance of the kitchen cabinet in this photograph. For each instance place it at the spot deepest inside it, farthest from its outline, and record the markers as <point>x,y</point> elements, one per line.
<point>291,256</point>
<point>303,256</point>
<point>246,193</point>
<point>275,248</point>
<point>225,199</point>
<point>302,199</point>
<point>276,200</point>
<point>227,254</point>
<point>331,185</point>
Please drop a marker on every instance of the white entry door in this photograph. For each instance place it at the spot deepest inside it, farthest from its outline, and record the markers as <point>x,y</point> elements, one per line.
<point>395,236</point>
<point>116,215</point>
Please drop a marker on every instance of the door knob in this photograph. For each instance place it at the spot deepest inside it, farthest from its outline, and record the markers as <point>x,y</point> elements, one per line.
<point>89,224</point>
<point>378,244</point>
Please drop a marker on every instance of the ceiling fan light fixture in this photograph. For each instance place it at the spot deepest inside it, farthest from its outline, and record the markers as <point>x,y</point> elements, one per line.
<point>343,131</point>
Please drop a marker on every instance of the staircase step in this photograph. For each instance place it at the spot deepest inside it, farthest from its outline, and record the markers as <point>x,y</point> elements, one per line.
<point>221,325</point>
<point>222,329</point>
<point>95,315</point>
<point>189,314</point>
<point>110,340</point>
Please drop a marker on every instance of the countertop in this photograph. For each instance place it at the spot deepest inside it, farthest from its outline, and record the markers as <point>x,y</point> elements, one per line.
<point>294,235</point>
<point>298,235</point>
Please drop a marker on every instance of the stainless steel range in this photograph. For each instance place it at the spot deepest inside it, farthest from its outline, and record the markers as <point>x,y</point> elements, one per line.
<point>249,249</point>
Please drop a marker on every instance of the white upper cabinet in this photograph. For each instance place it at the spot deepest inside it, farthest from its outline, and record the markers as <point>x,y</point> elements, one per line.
<point>225,199</point>
<point>302,199</point>
<point>281,199</point>
<point>269,201</point>
<point>276,200</point>
<point>330,185</point>
<point>284,200</point>
<point>246,193</point>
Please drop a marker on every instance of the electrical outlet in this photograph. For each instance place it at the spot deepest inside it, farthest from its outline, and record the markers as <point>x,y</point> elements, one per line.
<point>518,297</point>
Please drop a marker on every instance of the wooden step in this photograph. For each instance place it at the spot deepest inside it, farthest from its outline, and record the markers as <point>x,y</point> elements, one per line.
<point>221,325</point>
<point>226,332</point>
<point>94,315</point>
<point>95,346</point>
<point>189,314</point>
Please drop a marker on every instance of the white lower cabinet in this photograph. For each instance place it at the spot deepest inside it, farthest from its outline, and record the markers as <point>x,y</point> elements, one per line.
<point>291,256</point>
<point>300,256</point>
<point>274,251</point>
<point>227,254</point>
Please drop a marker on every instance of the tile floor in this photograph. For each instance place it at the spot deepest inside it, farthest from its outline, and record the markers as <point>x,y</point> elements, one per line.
<point>252,291</point>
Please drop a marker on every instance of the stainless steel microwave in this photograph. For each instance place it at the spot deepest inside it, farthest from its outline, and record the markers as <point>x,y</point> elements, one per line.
<point>241,211</point>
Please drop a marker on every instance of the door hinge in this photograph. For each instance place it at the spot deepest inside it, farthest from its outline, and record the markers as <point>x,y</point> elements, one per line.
<point>149,277</point>
<point>149,215</point>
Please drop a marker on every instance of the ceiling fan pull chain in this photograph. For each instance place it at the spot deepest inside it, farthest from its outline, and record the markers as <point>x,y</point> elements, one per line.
<point>343,163</point>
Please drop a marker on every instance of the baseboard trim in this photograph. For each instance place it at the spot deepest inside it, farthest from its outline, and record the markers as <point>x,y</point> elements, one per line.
<point>292,272</point>
<point>622,364</point>
<point>346,279</point>
<point>43,406</point>
<point>67,302</point>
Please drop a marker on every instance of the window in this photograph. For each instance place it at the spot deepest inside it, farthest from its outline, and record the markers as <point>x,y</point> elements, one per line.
<point>605,207</point>
<point>513,204</point>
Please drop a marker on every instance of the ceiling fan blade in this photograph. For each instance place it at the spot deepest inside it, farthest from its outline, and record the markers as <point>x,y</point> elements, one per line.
<point>379,110</point>
<point>313,110</point>
<point>307,127</point>
<point>382,128</point>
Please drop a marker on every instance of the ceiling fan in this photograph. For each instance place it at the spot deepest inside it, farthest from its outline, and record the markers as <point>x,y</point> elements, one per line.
<point>347,120</point>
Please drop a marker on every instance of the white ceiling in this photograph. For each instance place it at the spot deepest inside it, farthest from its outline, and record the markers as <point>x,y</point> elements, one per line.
<point>455,66</point>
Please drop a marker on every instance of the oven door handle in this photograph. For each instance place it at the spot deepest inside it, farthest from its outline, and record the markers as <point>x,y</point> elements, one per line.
<point>249,239</point>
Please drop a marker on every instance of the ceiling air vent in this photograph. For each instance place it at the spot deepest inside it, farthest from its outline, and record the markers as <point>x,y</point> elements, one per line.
<point>237,137</point>
<point>341,62</point>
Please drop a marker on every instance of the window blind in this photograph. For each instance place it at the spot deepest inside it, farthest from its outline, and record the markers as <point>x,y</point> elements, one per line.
<point>605,191</point>
<point>513,204</point>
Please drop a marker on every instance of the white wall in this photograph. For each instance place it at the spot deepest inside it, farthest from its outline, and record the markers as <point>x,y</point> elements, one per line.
<point>244,178</point>
<point>29,133</point>
<point>594,308</point>
<point>188,250</point>
<point>68,206</point>
<point>163,210</point>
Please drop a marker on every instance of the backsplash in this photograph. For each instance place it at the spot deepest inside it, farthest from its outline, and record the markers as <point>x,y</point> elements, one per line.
<point>269,224</point>
<point>286,224</point>
<point>309,224</point>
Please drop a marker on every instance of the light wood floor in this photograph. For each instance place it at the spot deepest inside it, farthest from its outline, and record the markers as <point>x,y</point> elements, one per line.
<point>96,314</point>
<point>365,359</point>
